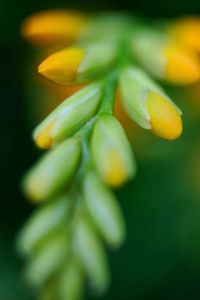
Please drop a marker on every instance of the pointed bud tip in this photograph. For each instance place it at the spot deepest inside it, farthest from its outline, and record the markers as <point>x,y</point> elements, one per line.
<point>43,141</point>
<point>61,67</point>
<point>182,65</point>
<point>165,119</point>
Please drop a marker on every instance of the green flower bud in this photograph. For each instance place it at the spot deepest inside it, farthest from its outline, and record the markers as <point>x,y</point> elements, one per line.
<point>47,260</point>
<point>89,251</point>
<point>80,62</point>
<point>164,57</point>
<point>112,152</point>
<point>70,282</point>
<point>42,222</point>
<point>104,210</point>
<point>148,105</point>
<point>69,116</point>
<point>146,46</point>
<point>52,173</point>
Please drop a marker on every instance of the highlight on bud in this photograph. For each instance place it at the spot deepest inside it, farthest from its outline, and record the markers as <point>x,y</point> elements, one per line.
<point>148,105</point>
<point>53,27</point>
<point>186,31</point>
<point>164,58</point>
<point>112,152</point>
<point>52,173</point>
<point>78,63</point>
<point>69,116</point>
<point>104,210</point>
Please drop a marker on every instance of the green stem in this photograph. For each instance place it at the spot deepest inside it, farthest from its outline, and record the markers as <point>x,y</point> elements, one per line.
<point>110,83</point>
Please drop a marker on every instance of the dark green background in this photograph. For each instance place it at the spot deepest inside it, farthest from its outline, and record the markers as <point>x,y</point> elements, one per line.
<point>161,256</point>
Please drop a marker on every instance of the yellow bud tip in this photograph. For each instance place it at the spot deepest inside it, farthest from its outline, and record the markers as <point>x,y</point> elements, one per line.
<point>116,174</point>
<point>53,27</point>
<point>165,119</point>
<point>61,67</point>
<point>182,65</point>
<point>32,189</point>
<point>43,138</point>
<point>187,31</point>
<point>43,141</point>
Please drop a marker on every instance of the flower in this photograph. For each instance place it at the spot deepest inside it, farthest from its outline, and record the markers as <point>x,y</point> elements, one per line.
<point>53,27</point>
<point>148,105</point>
<point>104,210</point>
<point>50,175</point>
<point>69,116</point>
<point>186,31</point>
<point>90,153</point>
<point>78,63</point>
<point>112,152</point>
<point>165,58</point>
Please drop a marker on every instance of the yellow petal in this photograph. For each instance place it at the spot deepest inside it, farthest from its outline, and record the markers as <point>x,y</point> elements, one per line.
<point>116,174</point>
<point>187,31</point>
<point>53,27</point>
<point>61,67</point>
<point>165,120</point>
<point>182,65</point>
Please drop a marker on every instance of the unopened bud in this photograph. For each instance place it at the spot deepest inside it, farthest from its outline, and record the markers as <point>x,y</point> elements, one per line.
<point>148,105</point>
<point>112,152</point>
<point>52,173</point>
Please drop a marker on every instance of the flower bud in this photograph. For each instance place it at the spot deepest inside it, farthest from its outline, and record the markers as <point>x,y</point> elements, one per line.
<point>89,251</point>
<point>112,152</point>
<point>47,260</point>
<point>104,210</point>
<point>165,59</point>
<point>52,173</point>
<point>186,31</point>
<point>78,63</point>
<point>147,104</point>
<point>53,27</point>
<point>70,282</point>
<point>43,221</point>
<point>69,116</point>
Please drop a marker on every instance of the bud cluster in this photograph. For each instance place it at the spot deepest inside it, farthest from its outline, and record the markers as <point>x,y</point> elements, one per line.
<point>88,150</point>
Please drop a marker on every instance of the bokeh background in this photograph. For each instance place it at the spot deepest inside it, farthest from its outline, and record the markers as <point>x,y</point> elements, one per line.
<point>161,256</point>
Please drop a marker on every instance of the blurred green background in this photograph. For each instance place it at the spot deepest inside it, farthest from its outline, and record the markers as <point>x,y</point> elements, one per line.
<point>161,256</point>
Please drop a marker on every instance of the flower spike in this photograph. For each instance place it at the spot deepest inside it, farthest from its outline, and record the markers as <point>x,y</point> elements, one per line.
<point>90,153</point>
